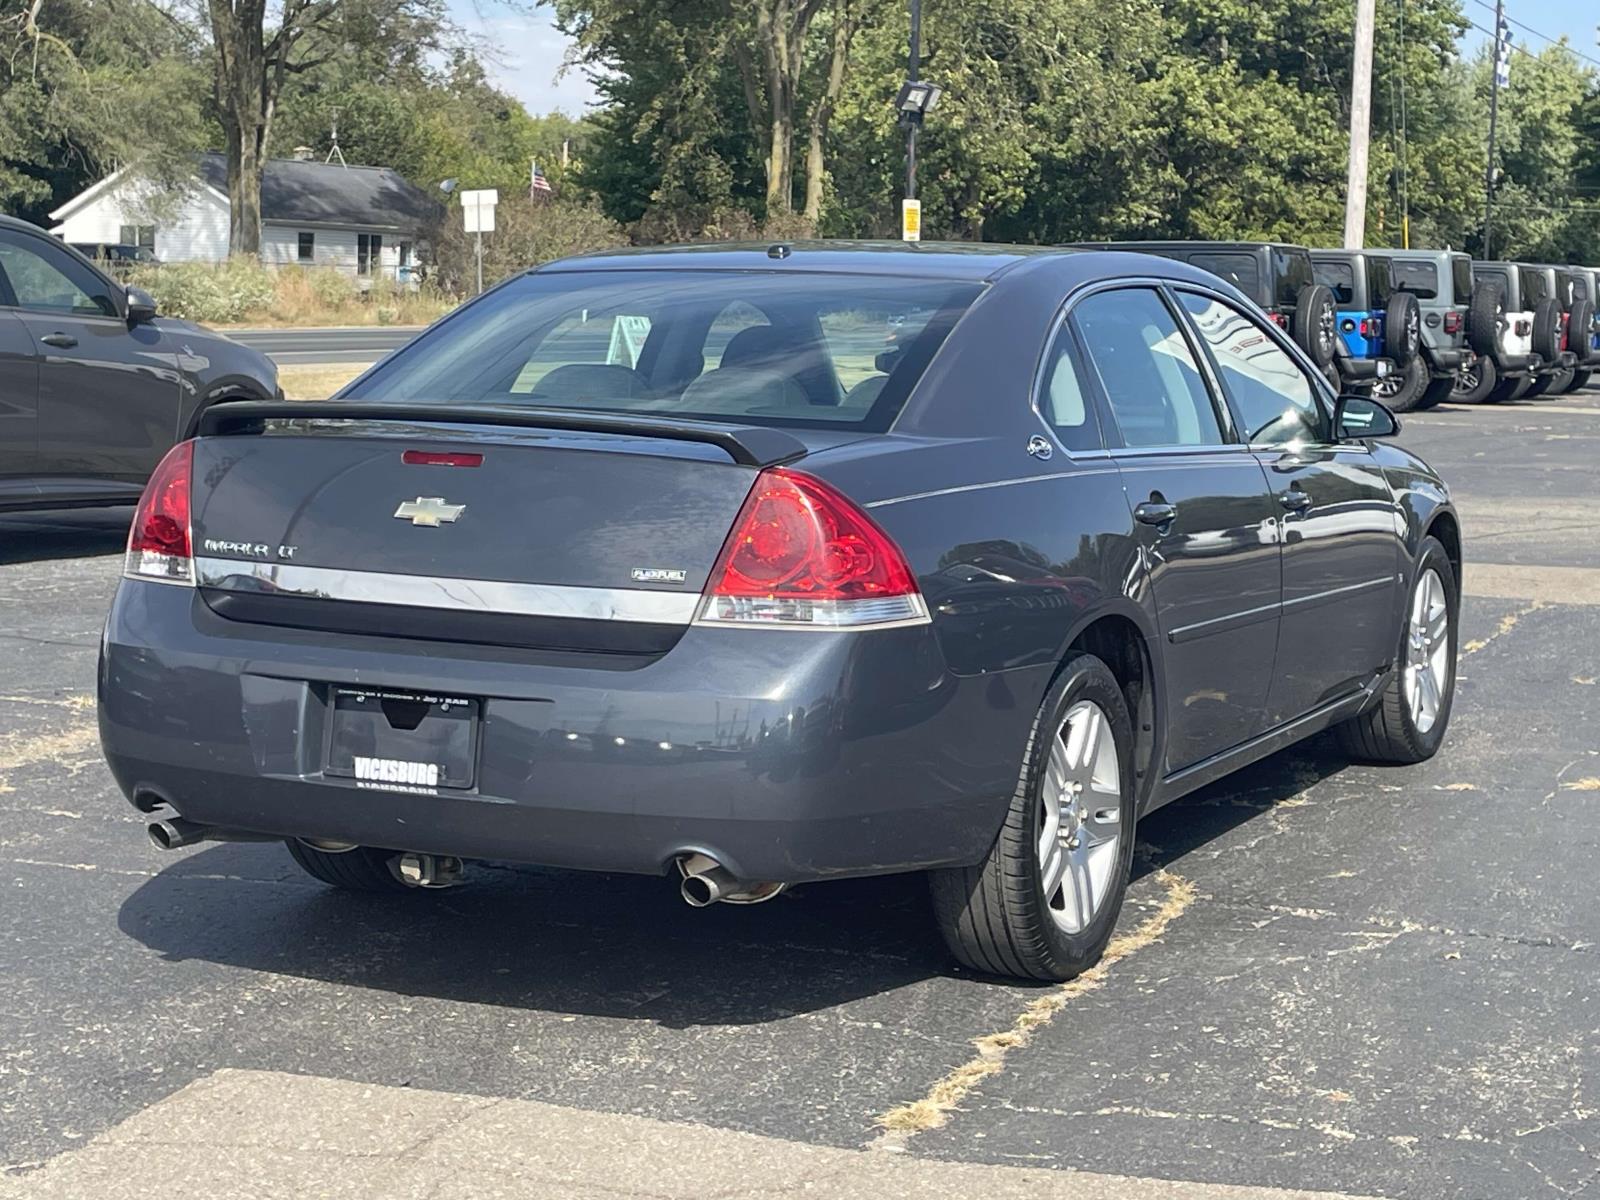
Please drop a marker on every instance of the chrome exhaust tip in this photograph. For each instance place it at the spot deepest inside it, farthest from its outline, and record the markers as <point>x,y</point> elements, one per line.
<point>707,882</point>
<point>175,833</point>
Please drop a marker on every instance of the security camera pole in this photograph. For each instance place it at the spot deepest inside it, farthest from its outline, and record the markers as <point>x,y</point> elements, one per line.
<point>915,101</point>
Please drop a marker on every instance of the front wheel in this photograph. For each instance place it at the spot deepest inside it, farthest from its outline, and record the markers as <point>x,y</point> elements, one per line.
<point>1408,722</point>
<point>1043,903</point>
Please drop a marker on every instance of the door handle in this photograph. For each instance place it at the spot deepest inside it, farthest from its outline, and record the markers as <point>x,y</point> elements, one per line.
<point>1154,513</point>
<point>1294,499</point>
<point>62,341</point>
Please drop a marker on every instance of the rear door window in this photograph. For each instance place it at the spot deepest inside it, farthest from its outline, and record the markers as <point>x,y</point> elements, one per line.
<point>1535,286</point>
<point>1294,275</point>
<point>1238,269</point>
<point>1380,282</point>
<point>1461,275</point>
<point>1146,370</point>
<point>761,347</point>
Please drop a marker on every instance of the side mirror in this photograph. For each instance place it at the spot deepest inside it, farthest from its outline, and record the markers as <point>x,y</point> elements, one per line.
<point>1357,417</point>
<point>141,306</point>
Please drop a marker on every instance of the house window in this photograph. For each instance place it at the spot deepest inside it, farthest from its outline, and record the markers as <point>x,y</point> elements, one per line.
<point>138,235</point>
<point>369,249</point>
<point>308,247</point>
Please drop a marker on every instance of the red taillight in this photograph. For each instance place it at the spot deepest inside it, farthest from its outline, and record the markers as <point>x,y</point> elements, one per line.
<point>1278,319</point>
<point>158,542</point>
<point>802,554</point>
<point>1366,328</point>
<point>1453,321</point>
<point>440,458</point>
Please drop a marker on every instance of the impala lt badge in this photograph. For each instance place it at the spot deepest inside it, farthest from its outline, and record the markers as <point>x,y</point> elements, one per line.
<point>431,511</point>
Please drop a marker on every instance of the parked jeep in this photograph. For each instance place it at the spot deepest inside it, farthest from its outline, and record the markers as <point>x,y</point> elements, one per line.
<point>1587,344</point>
<point>1452,342</point>
<point>1529,323</point>
<point>1278,276</point>
<point>1576,316</point>
<point>1378,324</point>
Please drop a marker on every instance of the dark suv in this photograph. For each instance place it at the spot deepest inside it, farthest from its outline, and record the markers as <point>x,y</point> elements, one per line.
<point>1378,324</point>
<point>1281,280</point>
<point>94,386</point>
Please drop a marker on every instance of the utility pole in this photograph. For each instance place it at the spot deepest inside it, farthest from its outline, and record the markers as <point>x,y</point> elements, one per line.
<point>1355,196</point>
<point>1502,76</point>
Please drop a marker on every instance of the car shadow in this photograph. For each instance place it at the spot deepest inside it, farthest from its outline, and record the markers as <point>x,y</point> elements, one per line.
<point>611,945</point>
<point>63,533</point>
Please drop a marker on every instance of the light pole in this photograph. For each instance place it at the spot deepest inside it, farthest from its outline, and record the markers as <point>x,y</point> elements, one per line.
<point>915,101</point>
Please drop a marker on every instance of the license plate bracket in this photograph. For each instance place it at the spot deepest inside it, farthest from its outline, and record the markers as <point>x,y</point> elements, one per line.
<point>403,740</point>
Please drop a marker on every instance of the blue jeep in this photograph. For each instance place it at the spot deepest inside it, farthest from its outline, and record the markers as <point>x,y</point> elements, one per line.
<point>1380,325</point>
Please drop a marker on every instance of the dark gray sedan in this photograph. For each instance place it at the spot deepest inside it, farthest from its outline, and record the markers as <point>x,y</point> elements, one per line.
<point>94,386</point>
<point>771,565</point>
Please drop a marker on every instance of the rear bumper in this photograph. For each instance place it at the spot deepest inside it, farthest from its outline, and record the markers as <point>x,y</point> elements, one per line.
<point>1358,368</point>
<point>1447,360</point>
<point>787,756</point>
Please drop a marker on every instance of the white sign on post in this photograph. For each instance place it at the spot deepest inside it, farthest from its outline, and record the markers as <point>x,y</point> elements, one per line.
<point>477,210</point>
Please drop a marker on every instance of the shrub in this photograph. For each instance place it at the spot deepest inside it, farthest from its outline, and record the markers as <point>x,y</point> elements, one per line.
<point>202,292</point>
<point>527,233</point>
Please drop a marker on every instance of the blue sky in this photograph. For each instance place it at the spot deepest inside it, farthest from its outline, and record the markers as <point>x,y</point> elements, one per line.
<point>526,50</point>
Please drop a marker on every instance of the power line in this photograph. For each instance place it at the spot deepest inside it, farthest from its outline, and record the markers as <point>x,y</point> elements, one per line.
<point>1536,33</point>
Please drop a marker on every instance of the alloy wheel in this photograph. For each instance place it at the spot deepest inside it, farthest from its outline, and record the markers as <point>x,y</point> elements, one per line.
<point>1428,666</point>
<point>1080,823</point>
<point>1467,380</point>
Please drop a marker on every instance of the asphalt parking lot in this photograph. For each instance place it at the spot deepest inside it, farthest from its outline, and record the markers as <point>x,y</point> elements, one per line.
<point>1370,981</point>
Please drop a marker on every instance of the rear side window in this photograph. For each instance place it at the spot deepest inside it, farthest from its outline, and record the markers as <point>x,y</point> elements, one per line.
<point>1380,282</point>
<point>1063,400</point>
<point>776,348</point>
<point>1146,370</point>
<point>1238,269</point>
<point>1535,287</point>
<point>1340,279</point>
<point>1580,287</point>
<point>1461,274</point>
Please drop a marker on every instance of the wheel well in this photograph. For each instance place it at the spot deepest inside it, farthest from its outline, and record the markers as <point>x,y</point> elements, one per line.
<point>1117,642</point>
<point>1445,528</point>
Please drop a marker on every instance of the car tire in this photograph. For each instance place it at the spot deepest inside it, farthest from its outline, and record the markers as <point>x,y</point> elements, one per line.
<point>1405,726</point>
<point>1547,331</point>
<point>1002,917</point>
<point>1580,380</point>
<point>1580,323</point>
<point>1402,390</point>
<point>1316,323</point>
<point>364,869</point>
<point>1486,317</point>
<point>1402,329</point>
<point>1472,385</point>
<point>1553,384</point>
<point>1506,389</point>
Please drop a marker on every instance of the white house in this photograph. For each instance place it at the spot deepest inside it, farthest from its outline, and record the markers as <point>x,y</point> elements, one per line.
<point>364,221</point>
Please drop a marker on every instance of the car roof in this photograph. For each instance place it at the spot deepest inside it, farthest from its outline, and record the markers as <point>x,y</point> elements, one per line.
<point>1192,245</point>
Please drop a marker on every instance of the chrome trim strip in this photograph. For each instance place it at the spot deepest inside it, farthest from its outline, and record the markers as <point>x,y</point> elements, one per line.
<point>994,483</point>
<point>1249,616</point>
<point>429,591</point>
<point>1348,589</point>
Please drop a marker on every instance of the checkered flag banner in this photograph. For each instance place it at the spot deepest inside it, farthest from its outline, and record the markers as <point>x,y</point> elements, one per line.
<point>1502,56</point>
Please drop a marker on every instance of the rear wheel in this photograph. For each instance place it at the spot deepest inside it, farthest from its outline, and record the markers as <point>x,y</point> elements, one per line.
<point>1402,328</point>
<point>1042,905</point>
<point>1506,389</point>
<point>362,869</point>
<point>1547,330</point>
<point>1315,325</point>
<point>1402,389</point>
<point>1472,385</point>
<point>1580,380</point>
<point>1553,384</point>
<point>1486,318</point>
<point>1408,722</point>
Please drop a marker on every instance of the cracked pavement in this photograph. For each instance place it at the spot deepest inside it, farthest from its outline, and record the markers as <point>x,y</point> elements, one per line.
<point>1381,982</point>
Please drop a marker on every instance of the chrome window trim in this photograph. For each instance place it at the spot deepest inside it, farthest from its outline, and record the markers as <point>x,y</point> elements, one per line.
<point>429,591</point>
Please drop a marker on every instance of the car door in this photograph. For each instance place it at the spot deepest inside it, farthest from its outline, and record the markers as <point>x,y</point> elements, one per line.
<point>19,401</point>
<point>107,393</point>
<point>1339,525</point>
<point>1206,523</point>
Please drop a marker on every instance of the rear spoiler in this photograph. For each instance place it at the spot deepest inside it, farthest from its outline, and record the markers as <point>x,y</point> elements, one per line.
<point>747,445</point>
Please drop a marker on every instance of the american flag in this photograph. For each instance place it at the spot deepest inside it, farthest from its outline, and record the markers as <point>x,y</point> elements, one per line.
<point>537,182</point>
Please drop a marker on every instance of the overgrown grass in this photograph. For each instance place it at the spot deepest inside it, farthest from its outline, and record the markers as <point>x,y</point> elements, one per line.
<point>243,292</point>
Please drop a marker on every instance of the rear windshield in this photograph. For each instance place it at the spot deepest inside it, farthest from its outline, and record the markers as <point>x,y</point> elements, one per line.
<point>773,348</point>
<point>1294,275</point>
<point>1340,279</point>
<point>1461,274</point>
<point>1238,269</point>
<point>1421,279</point>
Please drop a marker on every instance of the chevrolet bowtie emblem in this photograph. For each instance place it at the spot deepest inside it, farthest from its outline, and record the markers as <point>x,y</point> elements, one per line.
<point>429,510</point>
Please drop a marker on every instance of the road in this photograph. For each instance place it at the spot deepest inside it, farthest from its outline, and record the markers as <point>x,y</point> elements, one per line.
<point>1378,982</point>
<point>303,347</point>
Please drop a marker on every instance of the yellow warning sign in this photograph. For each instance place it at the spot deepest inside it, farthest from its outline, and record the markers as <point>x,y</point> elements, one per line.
<point>911,220</point>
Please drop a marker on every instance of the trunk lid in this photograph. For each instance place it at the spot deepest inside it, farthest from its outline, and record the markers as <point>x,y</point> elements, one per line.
<point>567,539</point>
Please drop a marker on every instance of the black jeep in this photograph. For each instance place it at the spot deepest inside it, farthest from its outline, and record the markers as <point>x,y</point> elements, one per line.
<point>1279,277</point>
